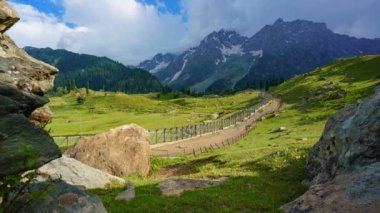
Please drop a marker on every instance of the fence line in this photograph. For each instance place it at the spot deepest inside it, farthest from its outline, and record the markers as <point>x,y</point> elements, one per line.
<point>210,147</point>
<point>181,132</point>
<point>190,131</point>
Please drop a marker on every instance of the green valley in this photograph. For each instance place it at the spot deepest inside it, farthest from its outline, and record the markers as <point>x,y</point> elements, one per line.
<point>265,169</point>
<point>101,111</point>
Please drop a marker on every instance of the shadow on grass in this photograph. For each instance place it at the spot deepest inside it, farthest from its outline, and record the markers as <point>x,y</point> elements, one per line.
<point>188,168</point>
<point>271,185</point>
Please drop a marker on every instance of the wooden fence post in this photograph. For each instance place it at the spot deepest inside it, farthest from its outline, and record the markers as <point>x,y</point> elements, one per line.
<point>164,135</point>
<point>156,135</point>
<point>176,133</point>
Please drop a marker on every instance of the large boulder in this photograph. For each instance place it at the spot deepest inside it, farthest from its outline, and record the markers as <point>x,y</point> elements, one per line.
<point>23,83</point>
<point>358,191</point>
<point>74,172</point>
<point>343,167</point>
<point>351,139</point>
<point>120,151</point>
<point>56,197</point>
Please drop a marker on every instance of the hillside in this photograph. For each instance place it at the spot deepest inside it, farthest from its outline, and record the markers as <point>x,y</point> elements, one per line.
<point>227,60</point>
<point>265,169</point>
<point>78,70</point>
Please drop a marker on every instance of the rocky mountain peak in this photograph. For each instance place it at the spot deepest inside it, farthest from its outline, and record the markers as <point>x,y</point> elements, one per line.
<point>279,21</point>
<point>223,37</point>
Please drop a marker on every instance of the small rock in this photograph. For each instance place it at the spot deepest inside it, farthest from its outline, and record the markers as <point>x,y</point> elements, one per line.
<point>280,129</point>
<point>128,194</point>
<point>175,187</point>
<point>301,139</point>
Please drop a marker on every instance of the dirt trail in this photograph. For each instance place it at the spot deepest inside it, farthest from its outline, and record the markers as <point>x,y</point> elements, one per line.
<point>215,140</point>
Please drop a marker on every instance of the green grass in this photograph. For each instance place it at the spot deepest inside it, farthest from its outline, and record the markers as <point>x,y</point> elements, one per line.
<point>265,169</point>
<point>100,113</point>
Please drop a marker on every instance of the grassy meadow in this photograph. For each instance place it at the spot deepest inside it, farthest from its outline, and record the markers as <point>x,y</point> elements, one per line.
<point>101,112</point>
<point>265,169</point>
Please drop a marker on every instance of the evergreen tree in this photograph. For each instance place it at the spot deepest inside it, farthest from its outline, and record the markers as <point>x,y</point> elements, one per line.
<point>88,88</point>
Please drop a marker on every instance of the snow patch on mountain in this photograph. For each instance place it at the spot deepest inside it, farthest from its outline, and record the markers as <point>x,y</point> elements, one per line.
<point>233,50</point>
<point>159,67</point>
<point>259,53</point>
<point>175,77</point>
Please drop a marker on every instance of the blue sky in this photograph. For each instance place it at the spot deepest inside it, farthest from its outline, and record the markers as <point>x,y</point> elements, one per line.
<point>133,30</point>
<point>46,6</point>
<point>55,6</point>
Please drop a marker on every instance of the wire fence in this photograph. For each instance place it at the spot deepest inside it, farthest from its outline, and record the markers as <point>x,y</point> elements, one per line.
<point>183,132</point>
<point>190,131</point>
<point>185,151</point>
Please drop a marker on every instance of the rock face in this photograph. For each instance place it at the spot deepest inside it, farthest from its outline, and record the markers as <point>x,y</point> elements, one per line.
<point>351,140</point>
<point>175,187</point>
<point>74,172</point>
<point>344,165</point>
<point>23,82</point>
<point>41,116</point>
<point>120,151</point>
<point>60,197</point>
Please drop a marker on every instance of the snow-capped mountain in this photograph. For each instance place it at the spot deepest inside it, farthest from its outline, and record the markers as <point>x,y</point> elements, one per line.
<point>226,60</point>
<point>157,63</point>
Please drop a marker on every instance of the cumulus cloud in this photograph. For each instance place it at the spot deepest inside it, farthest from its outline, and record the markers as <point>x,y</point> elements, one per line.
<point>126,30</point>
<point>36,28</point>
<point>130,30</point>
<point>356,18</point>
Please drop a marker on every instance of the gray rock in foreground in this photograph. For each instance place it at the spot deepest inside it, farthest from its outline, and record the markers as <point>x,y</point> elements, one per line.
<point>175,187</point>
<point>59,197</point>
<point>344,165</point>
<point>351,139</point>
<point>74,172</point>
<point>128,194</point>
<point>358,191</point>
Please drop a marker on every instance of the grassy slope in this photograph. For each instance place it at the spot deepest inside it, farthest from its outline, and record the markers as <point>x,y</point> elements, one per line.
<point>265,168</point>
<point>100,113</point>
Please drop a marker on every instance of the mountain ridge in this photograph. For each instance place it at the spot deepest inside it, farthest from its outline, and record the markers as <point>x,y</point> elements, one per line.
<point>82,70</point>
<point>278,51</point>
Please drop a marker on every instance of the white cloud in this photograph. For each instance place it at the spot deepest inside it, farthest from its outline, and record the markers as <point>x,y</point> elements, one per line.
<point>125,30</point>
<point>131,31</point>
<point>36,28</point>
<point>356,18</point>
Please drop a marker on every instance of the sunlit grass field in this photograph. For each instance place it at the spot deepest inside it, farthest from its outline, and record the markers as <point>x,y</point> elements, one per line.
<point>102,112</point>
<point>265,169</point>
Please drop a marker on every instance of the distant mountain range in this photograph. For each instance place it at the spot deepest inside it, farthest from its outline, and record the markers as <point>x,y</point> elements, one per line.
<point>97,72</point>
<point>227,60</point>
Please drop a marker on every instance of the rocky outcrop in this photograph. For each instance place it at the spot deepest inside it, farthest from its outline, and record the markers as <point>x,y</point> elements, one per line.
<point>120,151</point>
<point>41,116</point>
<point>74,172</point>
<point>354,192</point>
<point>23,82</point>
<point>351,140</point>
<point>343,167</point>
<point>23,145</point>
<point>59,197</point>
<point>175,187</point>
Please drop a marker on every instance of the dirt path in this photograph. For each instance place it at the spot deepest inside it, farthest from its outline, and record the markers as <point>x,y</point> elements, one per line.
<point>214,140</point>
